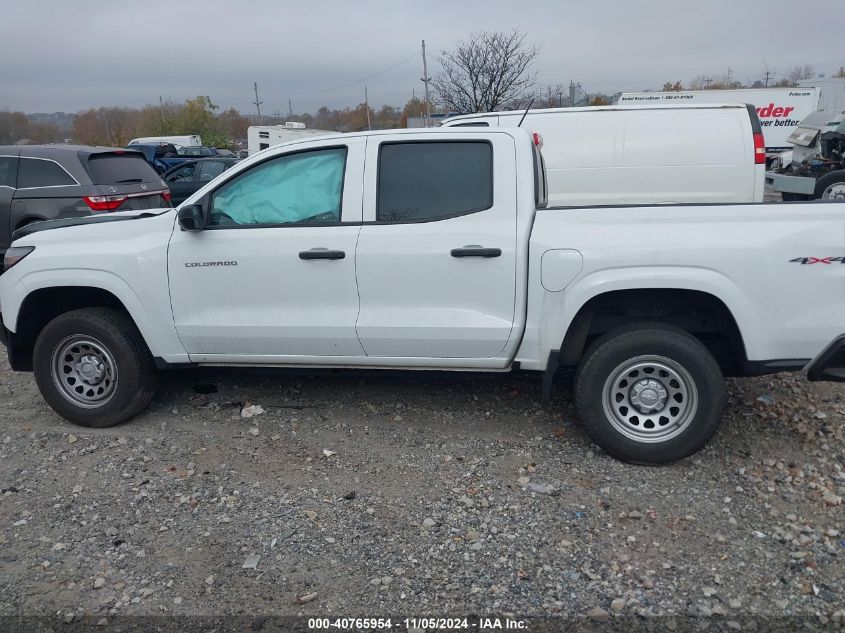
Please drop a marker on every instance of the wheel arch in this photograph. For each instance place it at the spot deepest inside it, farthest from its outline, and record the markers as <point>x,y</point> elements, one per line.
<point>700,313</point>
<point>41,305</point>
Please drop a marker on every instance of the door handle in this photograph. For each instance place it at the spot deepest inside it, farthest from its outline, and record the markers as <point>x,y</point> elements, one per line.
<point>321,253</point>
<point>473,250</point>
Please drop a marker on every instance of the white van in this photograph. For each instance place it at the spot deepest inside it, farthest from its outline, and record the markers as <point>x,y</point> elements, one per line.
<point>612,155</point>
<point>179,141</point>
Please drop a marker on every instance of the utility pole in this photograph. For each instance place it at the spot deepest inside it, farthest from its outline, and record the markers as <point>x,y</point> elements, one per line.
<point>367,106</point>
<point>707,82</point>
<point>161,110</point>
<point>257,102</point>
<point>425,80</point>
<point>290,108</point>
<point>767,78</point>
<point>559,99</point>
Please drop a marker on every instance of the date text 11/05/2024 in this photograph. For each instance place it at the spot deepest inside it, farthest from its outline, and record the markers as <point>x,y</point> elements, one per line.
<point>478,624</point>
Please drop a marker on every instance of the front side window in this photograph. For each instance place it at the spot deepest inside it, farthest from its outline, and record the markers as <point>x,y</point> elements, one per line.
<point>433,180</point>
<point>301,188</point>
<point>185,172</point>
<point>8,171</point>
<point>209,170</point>
<point>35,172</point>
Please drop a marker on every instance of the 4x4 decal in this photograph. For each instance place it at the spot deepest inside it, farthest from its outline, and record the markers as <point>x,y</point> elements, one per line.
<point>817,260</point>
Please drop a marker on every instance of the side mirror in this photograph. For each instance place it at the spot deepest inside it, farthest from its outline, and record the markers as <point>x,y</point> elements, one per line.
<point>192,218</point>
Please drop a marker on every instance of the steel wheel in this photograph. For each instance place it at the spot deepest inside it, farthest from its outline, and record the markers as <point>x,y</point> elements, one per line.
<point>84,371</point>
<point>650,399</point>
<point>836,191</point>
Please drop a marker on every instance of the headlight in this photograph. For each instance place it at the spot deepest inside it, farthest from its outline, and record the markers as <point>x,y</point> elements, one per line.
<point>15,254</point>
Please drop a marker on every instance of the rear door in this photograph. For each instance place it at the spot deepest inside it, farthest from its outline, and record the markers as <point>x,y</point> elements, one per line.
<point>436,257</point>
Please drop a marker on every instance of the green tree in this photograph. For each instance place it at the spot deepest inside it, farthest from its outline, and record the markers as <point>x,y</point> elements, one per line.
<point>197,117</point>
<point>14,126</point>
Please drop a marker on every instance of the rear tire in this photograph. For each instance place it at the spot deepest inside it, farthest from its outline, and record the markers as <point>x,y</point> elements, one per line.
<point>649,393</point>
<point>93,368</point>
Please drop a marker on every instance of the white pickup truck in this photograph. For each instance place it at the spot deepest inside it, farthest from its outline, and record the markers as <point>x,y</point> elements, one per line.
<point>432,250</point>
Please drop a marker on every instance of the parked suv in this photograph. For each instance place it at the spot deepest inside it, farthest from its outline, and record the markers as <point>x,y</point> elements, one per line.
<point>45,182</point>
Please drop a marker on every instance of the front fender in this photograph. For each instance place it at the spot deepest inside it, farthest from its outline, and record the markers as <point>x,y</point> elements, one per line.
<point>150,313</point>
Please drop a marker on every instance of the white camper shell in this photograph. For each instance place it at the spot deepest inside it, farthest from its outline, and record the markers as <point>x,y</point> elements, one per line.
<point>261,137</point>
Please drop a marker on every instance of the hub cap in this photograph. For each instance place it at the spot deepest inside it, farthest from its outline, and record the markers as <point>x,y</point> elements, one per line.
<point>836,191</point>
<point>84,371</point>
<point>650,399</point>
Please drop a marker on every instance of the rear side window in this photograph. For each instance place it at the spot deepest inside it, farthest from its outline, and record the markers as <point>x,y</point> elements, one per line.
<point>472,124</point>
<point>37,172</point>
<point>113,169</point>
<point>426,181</point>
<point>8,171</point>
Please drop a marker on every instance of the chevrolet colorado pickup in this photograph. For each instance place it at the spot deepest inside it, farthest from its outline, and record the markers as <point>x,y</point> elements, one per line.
<point>432,250</point>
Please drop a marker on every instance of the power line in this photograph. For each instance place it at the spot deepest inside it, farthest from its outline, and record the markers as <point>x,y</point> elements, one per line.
<point>357,82</point>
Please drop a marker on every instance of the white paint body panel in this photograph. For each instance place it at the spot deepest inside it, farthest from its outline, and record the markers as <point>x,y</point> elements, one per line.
<point>628,155</point>
<point>399,300</point>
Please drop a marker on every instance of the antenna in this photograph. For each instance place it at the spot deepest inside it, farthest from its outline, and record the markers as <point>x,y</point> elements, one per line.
<point>525,114</point>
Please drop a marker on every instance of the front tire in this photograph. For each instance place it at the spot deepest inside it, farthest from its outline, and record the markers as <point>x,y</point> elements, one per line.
<point>649,393</point>
<point>93,368</point>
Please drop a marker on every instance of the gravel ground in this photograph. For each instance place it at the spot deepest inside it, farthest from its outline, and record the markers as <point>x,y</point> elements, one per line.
<point>419,494</point>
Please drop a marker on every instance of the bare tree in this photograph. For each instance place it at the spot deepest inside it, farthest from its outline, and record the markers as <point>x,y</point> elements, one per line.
<point>485,72</point>
<point>799,73</point>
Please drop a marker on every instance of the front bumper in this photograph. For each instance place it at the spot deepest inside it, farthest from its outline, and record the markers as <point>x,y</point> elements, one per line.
<point>790,184</point>
<point>829,365</point>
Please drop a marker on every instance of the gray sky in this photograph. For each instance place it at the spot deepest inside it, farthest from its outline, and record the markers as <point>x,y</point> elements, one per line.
<point>70,55</point>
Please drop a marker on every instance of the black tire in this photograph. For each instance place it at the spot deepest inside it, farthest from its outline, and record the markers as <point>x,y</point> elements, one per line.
<point>834,177</point>
<point>133,371</point>
<point>646,438</point>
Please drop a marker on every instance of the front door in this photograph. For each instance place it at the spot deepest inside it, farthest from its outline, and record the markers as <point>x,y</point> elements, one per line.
<point>272,277</point>
<point>436,258</point>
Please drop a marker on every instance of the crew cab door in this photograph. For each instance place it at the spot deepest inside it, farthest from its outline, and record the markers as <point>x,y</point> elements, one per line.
<point>272,277</point>
<point>436,258</point>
